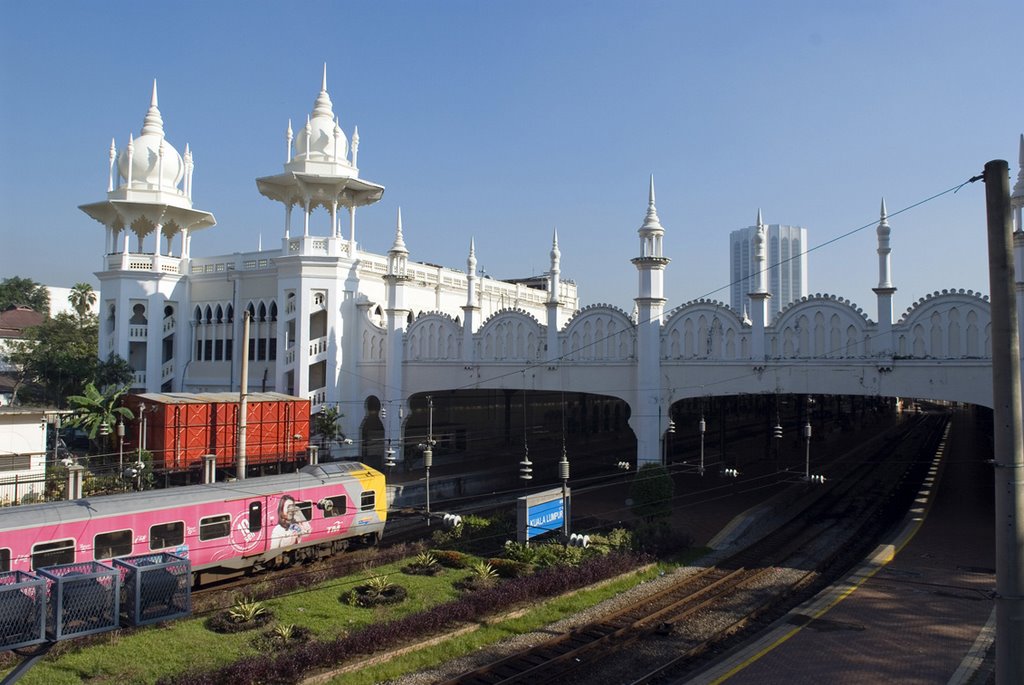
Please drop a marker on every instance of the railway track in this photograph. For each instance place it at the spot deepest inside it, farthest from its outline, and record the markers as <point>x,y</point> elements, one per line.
<point>694,616</point>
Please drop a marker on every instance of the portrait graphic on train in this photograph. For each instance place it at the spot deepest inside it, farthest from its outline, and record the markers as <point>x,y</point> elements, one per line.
<point>291,524</point>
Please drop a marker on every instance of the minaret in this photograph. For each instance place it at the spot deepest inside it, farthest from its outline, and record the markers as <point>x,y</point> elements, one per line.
<point>650,417</point>
<point>759,298</point>
<point>317,173</point>
<point>554,286</point>
<point>885,289</point>
<point>149,191</point>
<point>470,310</point>
<point>397,313</point>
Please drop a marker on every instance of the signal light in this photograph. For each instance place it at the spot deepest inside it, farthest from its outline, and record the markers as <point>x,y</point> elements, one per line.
<point>576,540</point>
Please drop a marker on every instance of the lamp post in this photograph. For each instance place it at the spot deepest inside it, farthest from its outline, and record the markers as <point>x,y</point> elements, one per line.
<point>702,426</point>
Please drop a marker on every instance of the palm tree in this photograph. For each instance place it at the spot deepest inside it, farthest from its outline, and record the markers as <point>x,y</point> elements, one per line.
<point>82,298</point>
<point>97,412</point>
<point>325,424</point>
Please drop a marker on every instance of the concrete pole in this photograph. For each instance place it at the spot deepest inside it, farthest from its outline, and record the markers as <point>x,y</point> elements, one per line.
<point>1009,448</point>
<point>243,391</point>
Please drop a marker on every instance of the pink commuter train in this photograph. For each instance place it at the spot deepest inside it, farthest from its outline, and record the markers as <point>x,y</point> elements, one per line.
<point>222,528</point>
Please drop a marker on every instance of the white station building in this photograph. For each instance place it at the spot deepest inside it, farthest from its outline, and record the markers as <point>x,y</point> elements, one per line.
<point>319,304</point>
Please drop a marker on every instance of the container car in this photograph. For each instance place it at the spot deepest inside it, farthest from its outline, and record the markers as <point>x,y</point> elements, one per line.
<point>222,528</point>
<point>180,428</point>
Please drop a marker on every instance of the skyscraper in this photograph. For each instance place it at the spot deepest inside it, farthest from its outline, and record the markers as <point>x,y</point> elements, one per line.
<point>787,264</point>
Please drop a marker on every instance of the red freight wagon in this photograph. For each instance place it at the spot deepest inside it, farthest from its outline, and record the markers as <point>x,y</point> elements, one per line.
<point>179,428</point>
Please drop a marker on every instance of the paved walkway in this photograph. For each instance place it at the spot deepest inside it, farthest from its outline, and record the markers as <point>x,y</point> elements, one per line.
<point>917,612</point>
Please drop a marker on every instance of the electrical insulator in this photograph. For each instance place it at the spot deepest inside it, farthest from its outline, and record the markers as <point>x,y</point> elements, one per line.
<point>730,473</point>
<point>428,458</point>
<point>525,470</point>
<point>389,458</point>
<point>778,431</point>
<point>563,469</point>
<point>452,520</point>
<point>383,412</point>
<point>576,540</point>
<point>624,465</point>
<point>817,479</point>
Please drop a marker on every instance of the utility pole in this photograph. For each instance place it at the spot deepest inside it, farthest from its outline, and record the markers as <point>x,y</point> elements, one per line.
<point>1009,448</point>
<point>243,405</point>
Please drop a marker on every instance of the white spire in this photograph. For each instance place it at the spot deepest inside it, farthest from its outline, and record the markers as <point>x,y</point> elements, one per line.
<point>288,137</point>
<point>113,159</point>
<point>1018,187</point>
<point>355,146</point>
<point>471,260</point>
<point>323,85</point>
<point>555,252</point>
<point>760,221</point>
<point>884,249</point>
<point>651,231</point>
<point>760,256</point>
<point>153,123</point>
<point>399,245</point>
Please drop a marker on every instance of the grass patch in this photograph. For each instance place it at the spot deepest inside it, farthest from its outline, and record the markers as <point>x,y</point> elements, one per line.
<point>144,656</point>
<point>546,613</point>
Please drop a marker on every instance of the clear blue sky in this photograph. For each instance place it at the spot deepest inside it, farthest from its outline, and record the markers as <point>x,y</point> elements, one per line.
<point>503,120</point>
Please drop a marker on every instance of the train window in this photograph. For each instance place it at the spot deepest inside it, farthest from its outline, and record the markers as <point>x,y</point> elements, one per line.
<point>53,553</point>
<point>333,506</point>
<point>164,535</point>
<point>213,527</point>
<point>368,500</point>
<point>117,543</point>
<point>307,510</point>
<point>255,516</point>
<point>5,560</point>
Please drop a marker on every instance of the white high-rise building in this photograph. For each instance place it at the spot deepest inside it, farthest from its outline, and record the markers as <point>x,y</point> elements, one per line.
<point>787,265</point>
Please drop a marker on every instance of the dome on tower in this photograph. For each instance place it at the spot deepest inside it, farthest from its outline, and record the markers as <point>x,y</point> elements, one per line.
<point>321,131</point>
<point>154,162</point>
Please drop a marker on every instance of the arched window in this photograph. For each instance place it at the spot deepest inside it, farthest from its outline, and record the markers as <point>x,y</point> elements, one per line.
<point>220,314</point>
<point>199,314</point>
<point>262,313</point>
<point>273,310</point>
<point>231,313</point>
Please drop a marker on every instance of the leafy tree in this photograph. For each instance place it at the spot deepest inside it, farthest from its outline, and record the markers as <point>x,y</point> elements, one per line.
<point>98,412</point>
<point>113,371</point>
<point>18,290</point>
<point>325,424</point>
<point>58,357</point>
<point>82,298</point>
<point>651,492</point>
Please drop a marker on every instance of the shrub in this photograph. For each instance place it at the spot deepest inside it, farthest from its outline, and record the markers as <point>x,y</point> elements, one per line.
<point>519,551</point>
<point>425,564</point>
<point>377,591</point>
<point>244,614</point>
<point>245,610</point>
<point>452,558</point>
<point>651,492</point>
<point>509,568</point>
<point>284,636</point>
<point>659,539</point>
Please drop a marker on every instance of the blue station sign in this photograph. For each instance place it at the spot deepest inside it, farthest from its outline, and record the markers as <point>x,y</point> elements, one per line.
<point>540,513</point>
